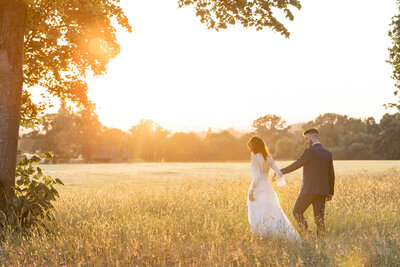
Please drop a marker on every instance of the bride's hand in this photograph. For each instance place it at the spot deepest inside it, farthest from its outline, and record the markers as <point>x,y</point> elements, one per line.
<point>280,181</point>
<point>251,195</point>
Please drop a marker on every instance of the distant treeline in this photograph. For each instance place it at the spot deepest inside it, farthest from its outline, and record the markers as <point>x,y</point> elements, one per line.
<point>72,136</point>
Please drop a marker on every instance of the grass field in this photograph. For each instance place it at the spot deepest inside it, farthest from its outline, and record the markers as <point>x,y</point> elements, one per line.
<point>196,214</point>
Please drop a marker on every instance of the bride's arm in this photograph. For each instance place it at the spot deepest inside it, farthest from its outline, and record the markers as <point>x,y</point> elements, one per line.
<point>280,181</point>
<point>274,167</point>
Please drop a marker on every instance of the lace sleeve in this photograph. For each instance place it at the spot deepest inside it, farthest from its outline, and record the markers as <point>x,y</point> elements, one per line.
<point>274,167</point>
<point>280,181</point>
<point>256,171</point>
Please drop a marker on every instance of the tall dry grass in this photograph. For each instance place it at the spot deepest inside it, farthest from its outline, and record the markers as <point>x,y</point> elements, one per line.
<point>196,214</point>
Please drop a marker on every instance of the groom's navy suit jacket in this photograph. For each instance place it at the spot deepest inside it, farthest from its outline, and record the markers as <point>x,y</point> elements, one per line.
<point>318,173</point>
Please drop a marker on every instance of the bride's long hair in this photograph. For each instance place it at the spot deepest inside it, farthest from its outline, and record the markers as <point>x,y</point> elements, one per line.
<point>257,145</point>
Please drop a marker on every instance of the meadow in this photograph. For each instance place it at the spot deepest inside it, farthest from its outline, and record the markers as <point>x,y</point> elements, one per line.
<point>190,214</point>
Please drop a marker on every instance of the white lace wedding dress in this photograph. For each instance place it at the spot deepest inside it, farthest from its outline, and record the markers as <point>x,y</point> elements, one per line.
<point>266,216</point>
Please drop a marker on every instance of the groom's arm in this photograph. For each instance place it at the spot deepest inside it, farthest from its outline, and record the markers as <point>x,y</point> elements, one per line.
<point>304,158</point>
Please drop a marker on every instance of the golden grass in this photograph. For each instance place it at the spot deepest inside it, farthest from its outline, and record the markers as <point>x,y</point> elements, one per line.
<point>195,214</point>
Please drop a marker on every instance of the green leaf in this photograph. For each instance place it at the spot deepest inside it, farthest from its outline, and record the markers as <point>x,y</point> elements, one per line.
<point>24,161</point>
<point>30,171</point>
<point>39,173</point>
<point>58,181</point>
<point>47,155</point>
<point>35,159</point>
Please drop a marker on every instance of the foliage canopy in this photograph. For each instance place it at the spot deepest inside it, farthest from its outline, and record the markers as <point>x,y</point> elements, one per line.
<point>394,54</point>
<point>256,13</point>
<point>64,41</point>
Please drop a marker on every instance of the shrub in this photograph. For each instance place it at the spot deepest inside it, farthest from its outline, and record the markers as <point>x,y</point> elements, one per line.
<point>33,194</point>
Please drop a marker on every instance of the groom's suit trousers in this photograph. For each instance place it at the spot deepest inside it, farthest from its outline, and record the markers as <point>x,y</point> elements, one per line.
<point>318,203</point>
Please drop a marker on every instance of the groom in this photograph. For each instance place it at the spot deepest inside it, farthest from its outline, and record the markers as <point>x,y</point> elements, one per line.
<point>318,180</point>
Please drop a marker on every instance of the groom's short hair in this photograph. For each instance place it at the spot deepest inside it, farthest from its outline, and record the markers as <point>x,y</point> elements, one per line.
<point>311,131</point>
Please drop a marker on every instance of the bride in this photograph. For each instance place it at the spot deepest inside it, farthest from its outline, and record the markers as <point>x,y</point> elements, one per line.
<point>266,216</point>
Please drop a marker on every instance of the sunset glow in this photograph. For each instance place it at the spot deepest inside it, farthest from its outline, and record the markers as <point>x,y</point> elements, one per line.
<point>173,70</point>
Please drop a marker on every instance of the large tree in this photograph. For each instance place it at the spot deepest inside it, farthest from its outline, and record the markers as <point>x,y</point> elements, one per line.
<point>387,143</point>
<point>59,134</point>
<point>332,127</point>
<point>54,44</point>
<point>11,77</point>
<point>394,54</point>
<point>147,139</point>
<point>271,128</point>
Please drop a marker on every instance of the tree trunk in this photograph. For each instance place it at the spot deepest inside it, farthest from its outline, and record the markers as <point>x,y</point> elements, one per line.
<point>12,19</point>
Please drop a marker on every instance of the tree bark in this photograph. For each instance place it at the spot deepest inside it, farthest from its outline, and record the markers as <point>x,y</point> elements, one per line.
<point>12,20</point>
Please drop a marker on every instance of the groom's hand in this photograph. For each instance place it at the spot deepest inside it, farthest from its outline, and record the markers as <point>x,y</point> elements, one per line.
<point>329,198</point>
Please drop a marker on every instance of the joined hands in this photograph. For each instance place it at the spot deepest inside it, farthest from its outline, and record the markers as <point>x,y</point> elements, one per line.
<point>278,178</point>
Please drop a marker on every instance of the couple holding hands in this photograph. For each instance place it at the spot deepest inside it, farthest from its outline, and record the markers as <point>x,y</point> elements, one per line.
<point>265,214</point>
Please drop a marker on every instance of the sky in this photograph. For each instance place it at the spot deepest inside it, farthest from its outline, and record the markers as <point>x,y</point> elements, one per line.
<point>175,71</point>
